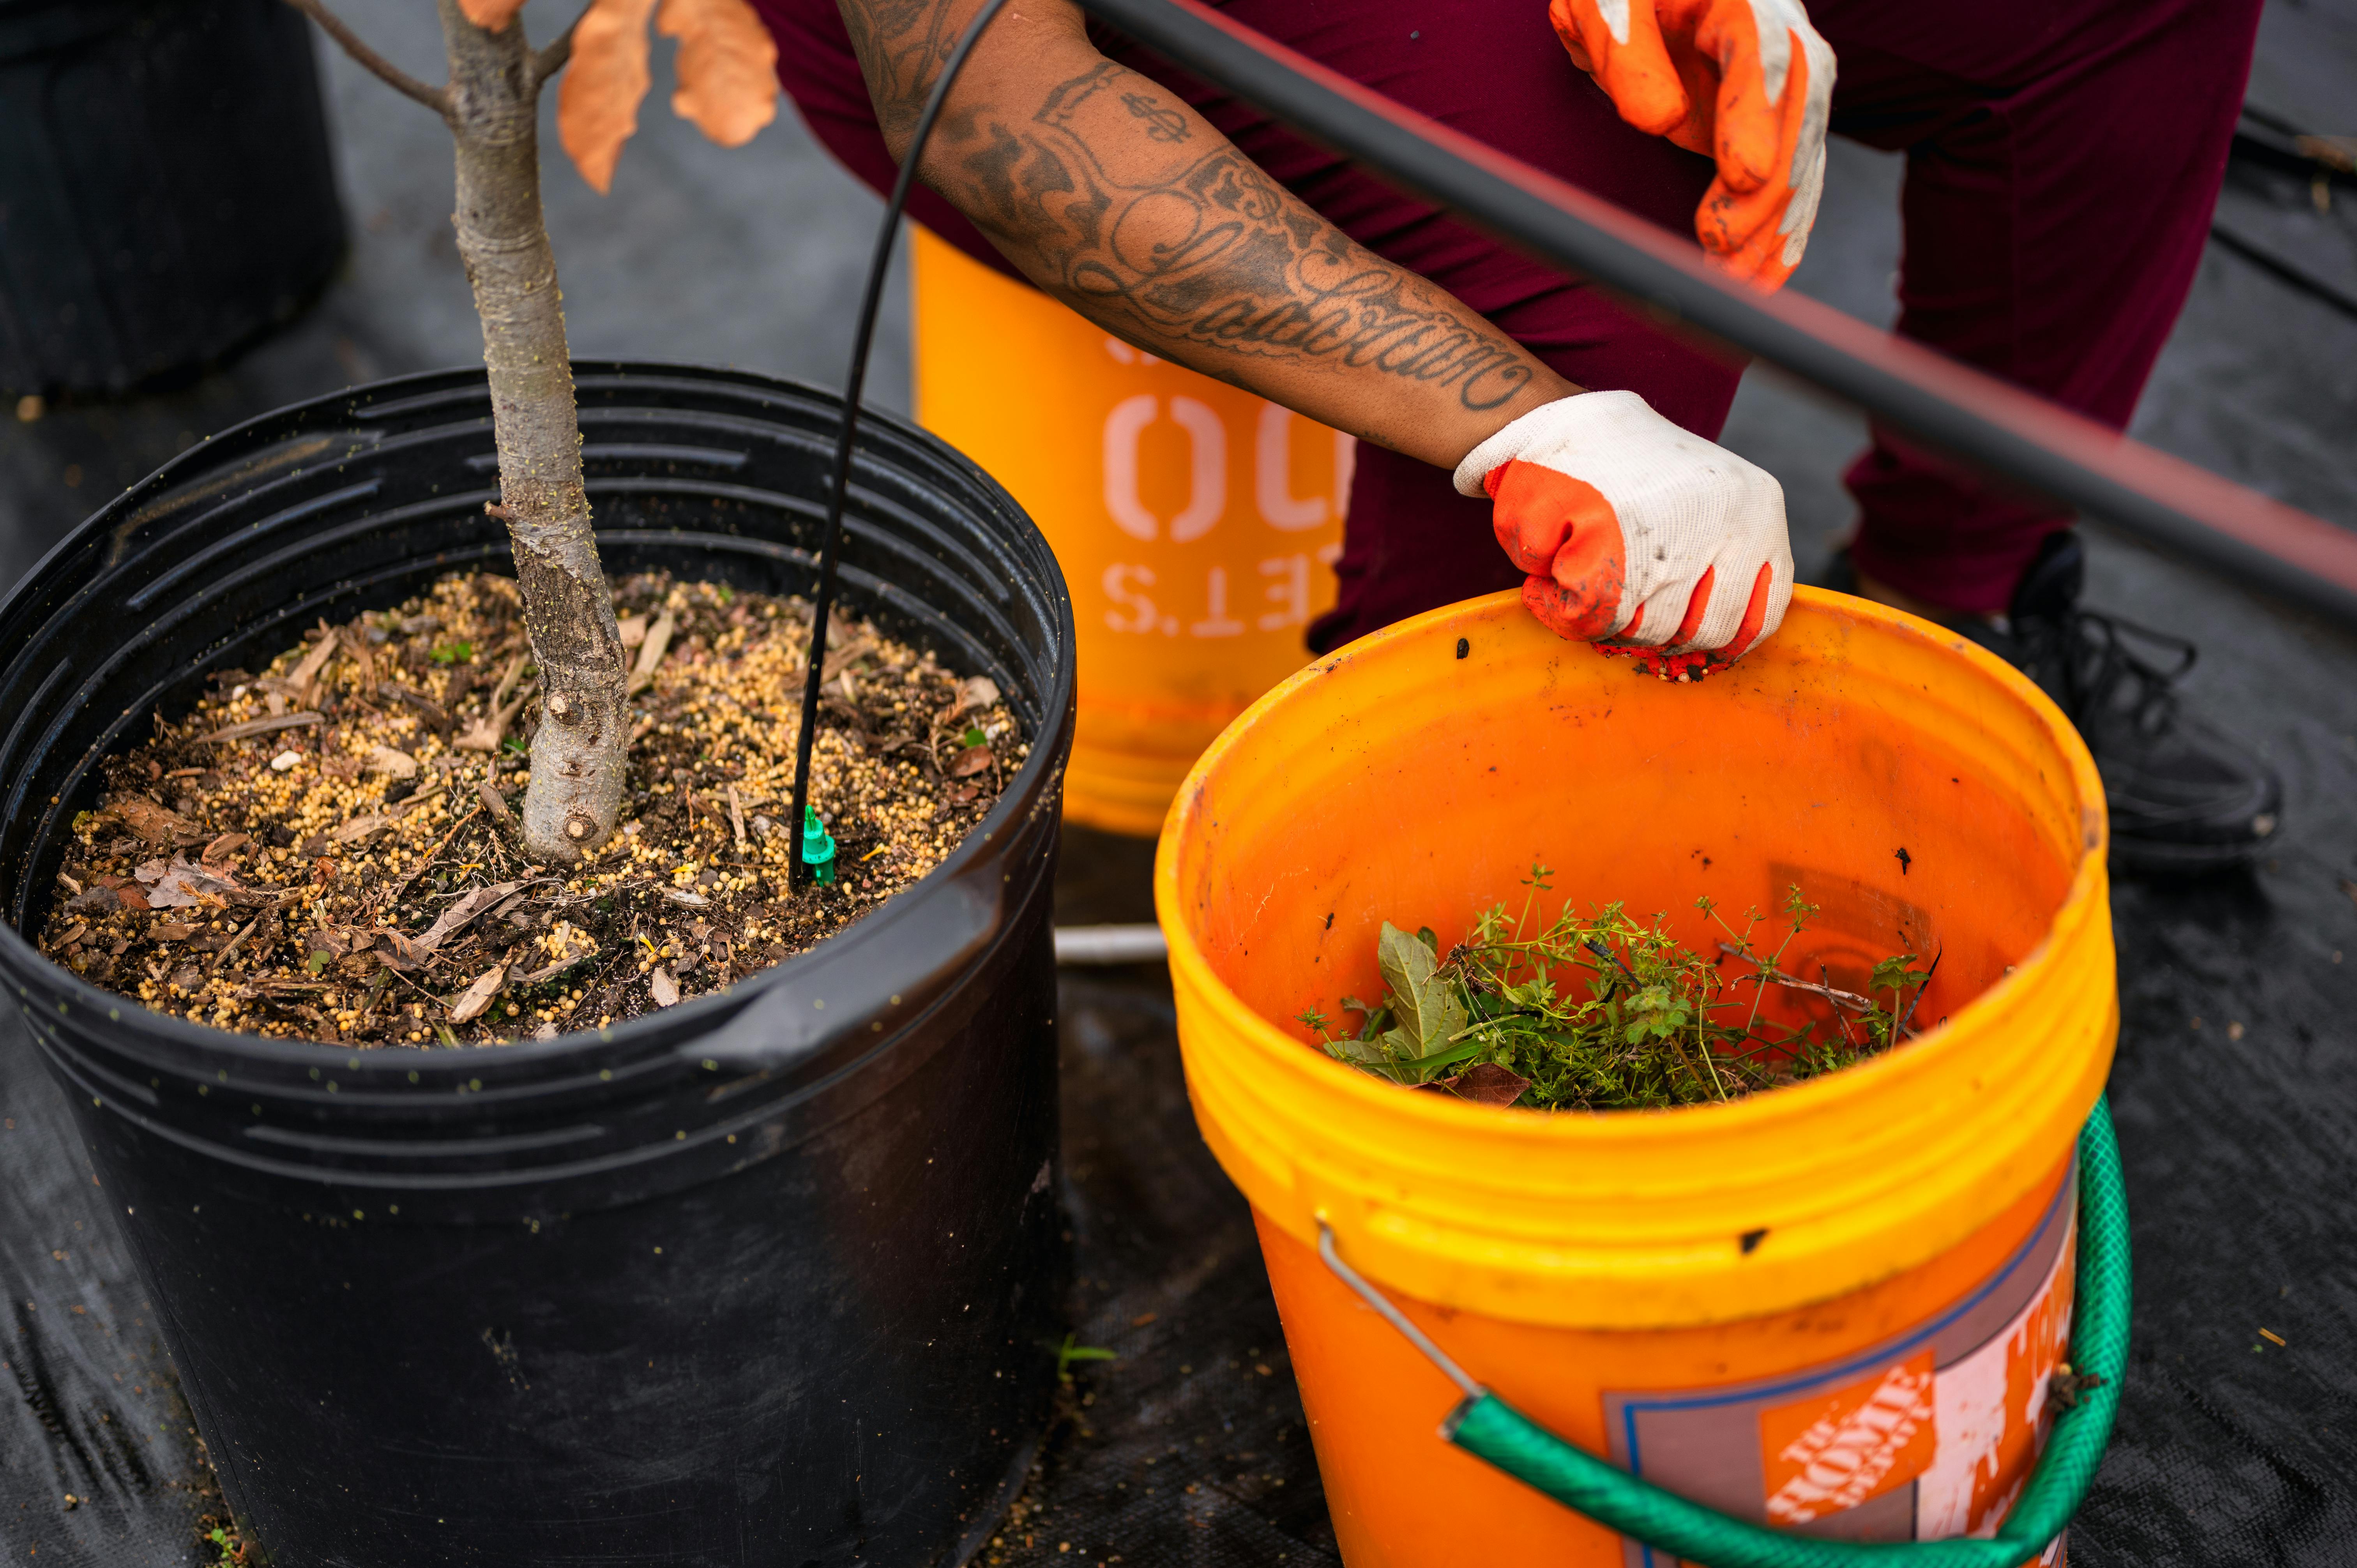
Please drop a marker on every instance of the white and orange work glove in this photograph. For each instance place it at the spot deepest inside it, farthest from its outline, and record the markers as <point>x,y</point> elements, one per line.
<point>1636,531</point>
<point>1747,82</point>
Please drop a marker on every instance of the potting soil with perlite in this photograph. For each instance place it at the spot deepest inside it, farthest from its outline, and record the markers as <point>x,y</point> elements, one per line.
<point>325,850</point>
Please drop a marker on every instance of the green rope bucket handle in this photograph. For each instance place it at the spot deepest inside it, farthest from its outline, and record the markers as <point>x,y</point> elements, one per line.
<point>1492,1429</point>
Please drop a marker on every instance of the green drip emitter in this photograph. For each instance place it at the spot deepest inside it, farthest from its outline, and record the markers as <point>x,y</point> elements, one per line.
<point>818,848</point>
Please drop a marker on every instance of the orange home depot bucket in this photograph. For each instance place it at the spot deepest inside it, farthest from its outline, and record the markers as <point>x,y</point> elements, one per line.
<point>1197,524</point>
<point>1833,1307</point>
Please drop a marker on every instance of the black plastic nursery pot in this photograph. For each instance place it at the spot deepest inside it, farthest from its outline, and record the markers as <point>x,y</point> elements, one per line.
<point>771,1277</point>
<point>166,187</point>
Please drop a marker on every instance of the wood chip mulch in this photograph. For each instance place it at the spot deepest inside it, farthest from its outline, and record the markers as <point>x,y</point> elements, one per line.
<point>325,850</point>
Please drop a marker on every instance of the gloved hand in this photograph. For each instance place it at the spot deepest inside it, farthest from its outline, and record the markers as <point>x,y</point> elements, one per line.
<point>1636,529</point>
<point>1748,82</point>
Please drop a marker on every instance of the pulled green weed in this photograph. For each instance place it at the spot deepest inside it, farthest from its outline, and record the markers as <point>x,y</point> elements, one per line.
<point>1603,1012</point>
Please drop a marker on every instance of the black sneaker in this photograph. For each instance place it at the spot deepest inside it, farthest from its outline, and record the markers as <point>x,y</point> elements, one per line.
<point>2185,796</point>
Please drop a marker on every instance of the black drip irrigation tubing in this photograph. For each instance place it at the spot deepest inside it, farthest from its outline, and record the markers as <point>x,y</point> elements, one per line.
<point>854,382</point>
<point>2170,503</point>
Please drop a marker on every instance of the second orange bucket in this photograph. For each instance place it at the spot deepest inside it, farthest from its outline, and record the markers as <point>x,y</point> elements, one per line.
<point>1197,524</point>
<point>1834,1308</point>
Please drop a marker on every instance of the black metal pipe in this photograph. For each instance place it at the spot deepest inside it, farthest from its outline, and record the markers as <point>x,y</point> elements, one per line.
<point>1975,417</point>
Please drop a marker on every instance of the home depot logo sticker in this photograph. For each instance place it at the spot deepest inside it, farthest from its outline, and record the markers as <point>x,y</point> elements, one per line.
<point>1930,1433</point>
<point>1829,1453</point>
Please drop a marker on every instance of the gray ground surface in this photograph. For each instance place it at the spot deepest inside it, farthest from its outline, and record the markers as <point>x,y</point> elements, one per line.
<point>2238,1139</point>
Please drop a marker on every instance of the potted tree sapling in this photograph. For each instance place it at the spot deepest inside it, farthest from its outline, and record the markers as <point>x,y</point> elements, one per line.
<point>525,1176</point>
<point>491,104</point>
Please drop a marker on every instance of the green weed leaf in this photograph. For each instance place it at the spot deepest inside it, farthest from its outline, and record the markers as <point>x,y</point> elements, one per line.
<point>1426,1004</point>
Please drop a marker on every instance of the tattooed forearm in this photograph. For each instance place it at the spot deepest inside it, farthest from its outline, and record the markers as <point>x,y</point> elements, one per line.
<point>1251,278</point>
<point>900,43</point>
<point>1110,192</point>
<point>1209,249</point>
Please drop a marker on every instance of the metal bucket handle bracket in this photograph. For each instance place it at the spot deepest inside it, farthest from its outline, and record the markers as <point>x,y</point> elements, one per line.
<point>1492,1429</point>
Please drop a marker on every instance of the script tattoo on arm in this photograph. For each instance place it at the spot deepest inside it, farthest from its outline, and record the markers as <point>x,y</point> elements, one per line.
<point>1118,198</point>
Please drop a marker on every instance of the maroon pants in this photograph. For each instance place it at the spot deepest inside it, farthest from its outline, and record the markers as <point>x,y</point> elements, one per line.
<point>2062,161</point>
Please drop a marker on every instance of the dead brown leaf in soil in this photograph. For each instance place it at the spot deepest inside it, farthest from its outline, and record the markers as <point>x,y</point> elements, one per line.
<point>475,1000</point>
<point>459,916</point>
<point>180,885</point>
<point>253,727</point>
<point>156,823</point>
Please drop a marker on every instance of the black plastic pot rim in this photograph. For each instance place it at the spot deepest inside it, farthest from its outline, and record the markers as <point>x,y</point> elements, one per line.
<point>597,1050</point>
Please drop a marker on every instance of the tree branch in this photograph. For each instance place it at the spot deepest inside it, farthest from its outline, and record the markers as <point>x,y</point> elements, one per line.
<point>551,60</point>
<point>434,97</point>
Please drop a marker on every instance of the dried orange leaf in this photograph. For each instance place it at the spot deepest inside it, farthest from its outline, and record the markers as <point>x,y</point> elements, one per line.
<point>597,101</point>
<point>491,16</point>
<point>727,65</point>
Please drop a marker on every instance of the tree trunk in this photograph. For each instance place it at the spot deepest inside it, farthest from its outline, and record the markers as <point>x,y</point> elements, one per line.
<point>577,753</point>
